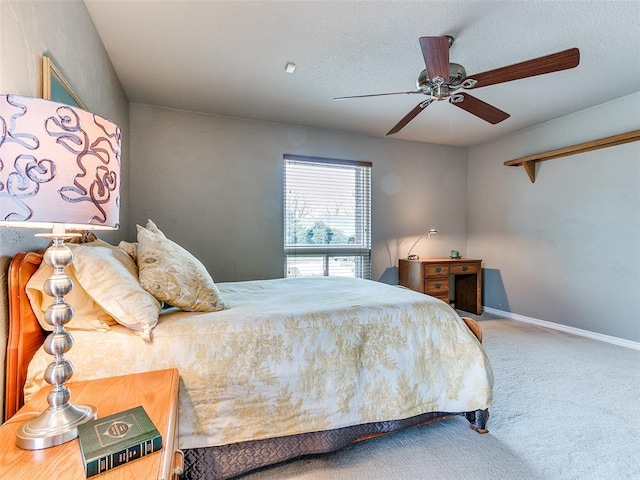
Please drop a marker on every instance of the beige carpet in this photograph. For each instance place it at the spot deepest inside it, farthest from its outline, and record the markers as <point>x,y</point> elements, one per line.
<point>565,408</point>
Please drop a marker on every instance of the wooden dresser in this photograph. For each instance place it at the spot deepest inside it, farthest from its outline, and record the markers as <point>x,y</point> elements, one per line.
<point>156,391</point>
<point>431,276</point>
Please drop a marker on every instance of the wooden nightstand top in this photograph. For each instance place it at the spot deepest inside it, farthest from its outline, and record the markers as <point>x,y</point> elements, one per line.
<point>156,391</point>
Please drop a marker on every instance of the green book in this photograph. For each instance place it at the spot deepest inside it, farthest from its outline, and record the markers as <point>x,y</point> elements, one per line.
<point>117,439</point>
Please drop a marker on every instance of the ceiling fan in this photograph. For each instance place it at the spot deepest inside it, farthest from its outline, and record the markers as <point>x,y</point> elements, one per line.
<point>442,80</point>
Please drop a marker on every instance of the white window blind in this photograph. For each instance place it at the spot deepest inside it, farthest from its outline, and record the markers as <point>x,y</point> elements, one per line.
<point>327,227</point>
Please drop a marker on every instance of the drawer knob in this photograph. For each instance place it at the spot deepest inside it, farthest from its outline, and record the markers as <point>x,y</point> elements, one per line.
<point>438,269</point>
<point>464,269</point>
<point>438,285</point>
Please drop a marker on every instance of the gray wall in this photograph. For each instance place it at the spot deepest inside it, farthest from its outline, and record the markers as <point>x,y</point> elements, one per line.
<point>214,185</point>
<point>65,30</point>
<point>565,249</point>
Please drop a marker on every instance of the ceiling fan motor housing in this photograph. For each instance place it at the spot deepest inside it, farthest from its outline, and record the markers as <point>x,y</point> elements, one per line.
<point>456,74</point>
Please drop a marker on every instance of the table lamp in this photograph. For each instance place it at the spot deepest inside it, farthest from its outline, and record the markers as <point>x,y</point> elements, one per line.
<point>59,170</point>
<point>428,233</point>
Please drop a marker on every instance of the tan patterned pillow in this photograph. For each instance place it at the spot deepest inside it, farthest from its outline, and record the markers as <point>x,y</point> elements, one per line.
<point>172,275</point>
<point>152,227</point>
<point>132,248</point>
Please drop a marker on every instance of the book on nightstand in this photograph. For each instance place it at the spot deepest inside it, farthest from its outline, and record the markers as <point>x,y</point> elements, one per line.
<point>117,439</point>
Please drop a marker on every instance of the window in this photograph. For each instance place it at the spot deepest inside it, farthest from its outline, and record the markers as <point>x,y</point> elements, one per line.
<point>327,226</point>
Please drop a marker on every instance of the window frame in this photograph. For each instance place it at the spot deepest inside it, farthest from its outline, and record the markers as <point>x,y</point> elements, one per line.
<point>363,214</point>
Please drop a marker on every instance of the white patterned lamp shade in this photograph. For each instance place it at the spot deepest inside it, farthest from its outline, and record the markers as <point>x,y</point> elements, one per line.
<point>58,165</point>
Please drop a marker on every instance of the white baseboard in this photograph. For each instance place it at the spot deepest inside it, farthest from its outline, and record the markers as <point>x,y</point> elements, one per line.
<point>622,342</point>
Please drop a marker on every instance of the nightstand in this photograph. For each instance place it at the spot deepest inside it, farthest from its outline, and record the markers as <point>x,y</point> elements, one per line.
<point>156,391</point>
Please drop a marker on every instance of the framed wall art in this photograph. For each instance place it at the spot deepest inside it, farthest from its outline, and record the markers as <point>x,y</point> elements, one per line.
<point>57,88</point>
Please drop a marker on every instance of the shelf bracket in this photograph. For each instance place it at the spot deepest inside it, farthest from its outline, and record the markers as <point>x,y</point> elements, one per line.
<point>530,168</point>
<point>529,162</point>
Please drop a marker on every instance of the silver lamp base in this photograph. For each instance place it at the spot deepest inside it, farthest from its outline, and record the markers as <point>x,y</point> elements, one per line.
<point>58,423</point>
<point>54,426</point>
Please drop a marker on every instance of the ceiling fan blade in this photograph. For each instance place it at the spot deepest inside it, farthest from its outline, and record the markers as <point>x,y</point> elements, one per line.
<point>538,66</point>
<point>379,95</point>
<point>410,116</point>
<point>435,51</point>
<point>480,109</point>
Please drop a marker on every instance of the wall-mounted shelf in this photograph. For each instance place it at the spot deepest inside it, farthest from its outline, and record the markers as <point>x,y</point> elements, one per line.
<point>529,163</point>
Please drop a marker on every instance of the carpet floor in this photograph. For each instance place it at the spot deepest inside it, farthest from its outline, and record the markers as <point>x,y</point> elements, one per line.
<point>564,409</point>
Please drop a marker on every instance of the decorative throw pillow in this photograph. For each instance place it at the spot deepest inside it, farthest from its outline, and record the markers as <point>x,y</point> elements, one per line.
<point>110,277</point>
<point>130,248</point>
<point>172,275</point>
<point>87,315</point>
<point>153,227</point>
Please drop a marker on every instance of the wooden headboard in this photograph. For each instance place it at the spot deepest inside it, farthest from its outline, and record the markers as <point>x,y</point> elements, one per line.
<point>25,333</point>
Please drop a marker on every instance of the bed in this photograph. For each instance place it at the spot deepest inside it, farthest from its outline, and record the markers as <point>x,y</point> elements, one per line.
<point>288,367</point>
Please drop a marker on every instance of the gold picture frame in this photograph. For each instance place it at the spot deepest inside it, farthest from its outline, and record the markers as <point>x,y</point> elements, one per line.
<point>56,87</point>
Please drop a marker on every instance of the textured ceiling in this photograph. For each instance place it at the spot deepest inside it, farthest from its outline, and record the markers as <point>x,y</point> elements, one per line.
<point>228,58</point>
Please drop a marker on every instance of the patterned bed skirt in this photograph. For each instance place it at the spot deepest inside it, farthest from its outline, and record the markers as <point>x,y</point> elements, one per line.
<point>227,461</point>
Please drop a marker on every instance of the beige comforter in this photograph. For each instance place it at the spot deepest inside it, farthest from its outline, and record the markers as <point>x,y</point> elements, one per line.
<point>298,355</point>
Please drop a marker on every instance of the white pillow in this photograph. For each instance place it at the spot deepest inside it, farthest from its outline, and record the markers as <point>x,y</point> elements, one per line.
<point>87,315</point>
<point>110,277</point>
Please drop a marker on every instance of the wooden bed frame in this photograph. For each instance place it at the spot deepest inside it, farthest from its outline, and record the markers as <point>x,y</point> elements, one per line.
<point>26,336</point>
<point>25,333</point>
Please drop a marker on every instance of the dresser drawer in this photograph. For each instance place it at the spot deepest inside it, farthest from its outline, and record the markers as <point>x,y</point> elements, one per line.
<point>436,271</point>
<point>437,288</point>
<point>463,268</point>
<point>445,299</point>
